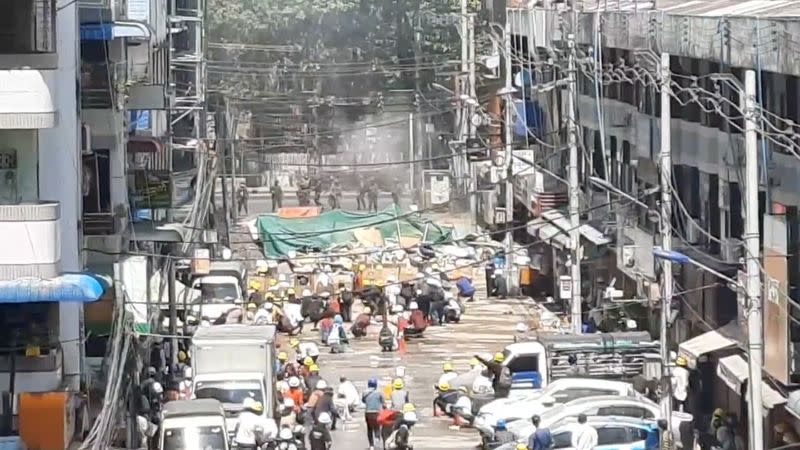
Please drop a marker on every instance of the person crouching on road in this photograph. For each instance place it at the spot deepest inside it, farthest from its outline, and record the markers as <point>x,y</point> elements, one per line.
<point>416,321</point>
<point>362,322</point>
<point>462,410</point>
<point>466,290</point>
<point>337,338</point>
<point>445,399</point>
<point>253,429</point>
<point>452,309</point>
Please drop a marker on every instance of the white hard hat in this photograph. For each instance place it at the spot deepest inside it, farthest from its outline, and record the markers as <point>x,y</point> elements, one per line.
<point>306,293</point>
<point>413,305</point>
<point>288,402</point>
<point>157,388</point>
<point>268,306</point>
<point>248,403</point>
<point>325,418</point>
<point>419,291</point>
<point>294,382</point>
<point>410,417</point>
<point>521,327</point>
<point>321,384</point>
<point>397,309</point>
<point>325,294</point>
<point>285,434</point>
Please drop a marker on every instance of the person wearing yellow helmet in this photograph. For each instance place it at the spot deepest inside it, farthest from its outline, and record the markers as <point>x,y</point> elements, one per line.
<point>448,374</point>
<point>251,423</point>
<point>445,399</point>
<point>495,367</point>
<point>680,383</point>
<point>521,446</point>
<point>399,396</point>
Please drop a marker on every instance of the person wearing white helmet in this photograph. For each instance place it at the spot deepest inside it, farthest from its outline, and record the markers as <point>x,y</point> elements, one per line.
<point>416,321</point>
<point>295,393</point>
<point>288,416</point>
<point>319,437</point>
<point>521,332</point>
<point>253,428</point>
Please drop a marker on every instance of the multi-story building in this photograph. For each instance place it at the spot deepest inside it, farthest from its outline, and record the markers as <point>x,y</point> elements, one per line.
<point>619,128</point>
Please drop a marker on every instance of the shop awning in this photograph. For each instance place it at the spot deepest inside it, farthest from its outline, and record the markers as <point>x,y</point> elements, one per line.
<point>723,337</point>
<point>588,232</point>
<point>733,370</point>
<point>25,100</point>
<point>115,30</point>
<point>64,288</point>
<point>548,233</point>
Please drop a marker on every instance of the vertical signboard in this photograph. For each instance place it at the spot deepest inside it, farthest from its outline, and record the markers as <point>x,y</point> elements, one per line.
<point>775,292</point>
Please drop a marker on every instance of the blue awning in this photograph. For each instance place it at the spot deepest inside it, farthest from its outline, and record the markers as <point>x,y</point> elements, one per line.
<point>114,30</point>
<point>71,287</point>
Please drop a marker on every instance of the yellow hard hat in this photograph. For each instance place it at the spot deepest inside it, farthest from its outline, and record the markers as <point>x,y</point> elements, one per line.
<point>257,406</point>
<point>681,361</point>
<point>397,383</point>
<point>308,361</point>
<point>181,356</point>
<point>367,310</point>
<point>379,283</point>
<point>447,366</point>
<point>362,266</point>
<point>283,356</point>
<point>369,282</point>
<point>474,362</point>
<point>498,357</point>
<point>290,291</point>
<point>252,306</point>
<point>273,281</point>
<point>294,342</point>
<point>719,412</point>
<point>444,386</point>
<point>313,368</point>
<point>435,266</point>
<point>255,284</point>
<point>521,446</point>
<point>409,407</point>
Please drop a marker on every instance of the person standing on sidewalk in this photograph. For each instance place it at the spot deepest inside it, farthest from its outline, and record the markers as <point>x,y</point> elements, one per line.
<point>277,196</point>
<point>373,195</point>
<point>243,196</point>
<point>361,198</point>
<point>373,402</point>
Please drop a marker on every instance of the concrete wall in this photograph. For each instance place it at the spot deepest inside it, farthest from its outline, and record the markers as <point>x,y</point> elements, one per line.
<point>59,176</point>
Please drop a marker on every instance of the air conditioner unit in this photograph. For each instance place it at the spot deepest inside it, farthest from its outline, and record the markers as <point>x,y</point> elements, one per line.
<point>86,139</point>
<point>731,250</point>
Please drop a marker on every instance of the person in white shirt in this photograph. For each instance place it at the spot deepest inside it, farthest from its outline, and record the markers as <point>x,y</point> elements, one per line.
<point>253,428</point>
<point>304,349</point>
<point>680,383</point>
<point>264,314</point>
<point>448,374</point>
<point>347,398</point>
<point>584,436</point>
<point>463,408</point>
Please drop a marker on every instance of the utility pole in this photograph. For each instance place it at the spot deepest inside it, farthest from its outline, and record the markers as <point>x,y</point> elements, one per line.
<point>755,345</point>
<point>473,199</point>
<point>230,124</point>
<point>411,155</point>
<point>666,233</point>
<point>508,158</point>
<point>574,194</point>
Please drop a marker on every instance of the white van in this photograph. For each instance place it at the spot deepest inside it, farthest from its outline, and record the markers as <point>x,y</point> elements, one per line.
<point>193,424</point>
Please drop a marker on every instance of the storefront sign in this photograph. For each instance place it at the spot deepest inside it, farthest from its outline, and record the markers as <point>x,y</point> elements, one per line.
<point>152,189</point>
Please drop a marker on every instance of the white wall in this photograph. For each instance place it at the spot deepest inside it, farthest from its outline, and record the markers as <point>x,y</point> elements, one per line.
<point>59,175</point>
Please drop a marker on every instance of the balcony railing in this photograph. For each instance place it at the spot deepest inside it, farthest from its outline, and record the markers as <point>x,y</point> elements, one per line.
<point>100,83</point>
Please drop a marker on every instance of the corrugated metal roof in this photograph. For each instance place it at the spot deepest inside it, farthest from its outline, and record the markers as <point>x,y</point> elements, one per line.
<point>701,8</point>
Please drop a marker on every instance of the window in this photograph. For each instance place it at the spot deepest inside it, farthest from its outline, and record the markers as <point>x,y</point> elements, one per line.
<point>626,411</point>
<point>614,434</point>
<point>569,395</point>
<point>27,26</point>
<point>19,166</point>
<point>96,182</point>
<point>204,437</point>
<point>524,363</point>
<point>562,440</point>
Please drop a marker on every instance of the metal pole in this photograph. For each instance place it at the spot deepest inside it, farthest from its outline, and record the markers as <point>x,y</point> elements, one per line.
<point>411,155</point>
<point>508,160</point>
<point>574,194</point>
<point>473,199</point>
<point>229,122</point>
<point>173,313</point>
<point>463,119</point>
<point>753,280</point>
<point>666,233</point>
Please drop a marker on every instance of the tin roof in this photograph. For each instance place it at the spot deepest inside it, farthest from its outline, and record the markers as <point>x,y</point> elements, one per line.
<point>775,9</point>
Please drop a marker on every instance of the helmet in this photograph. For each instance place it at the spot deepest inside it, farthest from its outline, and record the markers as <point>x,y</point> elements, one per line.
<point>294,342</point>
<point>444,386</point>
<point>447,366</point>
<point>521,328</point>
<point>413,305</point>
<point>288,402</point>
<point>373,382</point>
<point>325,294</point>
<point>257,406</point>
<point>285,434</point>
<point>410,417</point>
<point>283,356</point>
<point>308,361</point>
<point>313,368</point>
<point>324,418</point>
<point>294,382</point>
<point>498,357</point>
<point>255,285</point>
<point>248,403</point>
<point>681,361</point>
<point>474,362</point>
<point>397,383</point>
<point>252,306</point>
<point>362,266</point>
<point>306,292</point>
<point>181,356</point>
<point>290,291</point>
<point>321,384</point>
<point>268,306</point>
<point>367,310</point>
<point>338,319</point>
<point>409,407</point>
<point>719,412</point>
<point>501,424</point>
<point>521,446</point>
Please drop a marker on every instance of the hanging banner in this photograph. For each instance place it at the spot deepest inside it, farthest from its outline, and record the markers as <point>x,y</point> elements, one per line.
<point>152,189</point>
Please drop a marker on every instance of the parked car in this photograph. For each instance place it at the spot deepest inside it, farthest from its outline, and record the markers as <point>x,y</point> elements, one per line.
<point>559,391</point>
<point>602,406</point>
<point>613,433</point>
